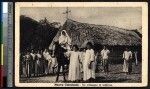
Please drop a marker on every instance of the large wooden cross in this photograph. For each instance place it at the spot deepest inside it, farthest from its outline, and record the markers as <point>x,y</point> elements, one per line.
<point>67,12</point>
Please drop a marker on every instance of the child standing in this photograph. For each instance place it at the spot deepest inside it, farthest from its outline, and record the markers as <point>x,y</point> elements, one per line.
<point>74,68</point>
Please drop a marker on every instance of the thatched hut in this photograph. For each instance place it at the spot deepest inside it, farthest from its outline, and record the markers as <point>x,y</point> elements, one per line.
<point>115,38</point>
<point>99,34</point>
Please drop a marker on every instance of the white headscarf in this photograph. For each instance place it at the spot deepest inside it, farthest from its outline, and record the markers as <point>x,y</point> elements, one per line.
<point>65,39</point>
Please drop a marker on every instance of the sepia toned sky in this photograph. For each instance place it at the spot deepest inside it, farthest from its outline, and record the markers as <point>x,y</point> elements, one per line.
<point>124,17</point>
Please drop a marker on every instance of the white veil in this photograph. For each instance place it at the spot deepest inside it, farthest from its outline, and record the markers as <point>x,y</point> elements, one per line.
<point>68,38</point>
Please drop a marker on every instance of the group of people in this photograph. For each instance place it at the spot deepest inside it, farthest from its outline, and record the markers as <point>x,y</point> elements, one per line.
<point>81,65</point>
<point>37,63</point>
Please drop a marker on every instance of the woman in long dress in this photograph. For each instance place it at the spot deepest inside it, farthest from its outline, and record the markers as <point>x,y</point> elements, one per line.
<point>64,40</point>
<point>89,63</point>
<point>74,68</point>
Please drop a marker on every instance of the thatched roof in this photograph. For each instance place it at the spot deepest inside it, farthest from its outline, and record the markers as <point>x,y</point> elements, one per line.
<point>99,34</point>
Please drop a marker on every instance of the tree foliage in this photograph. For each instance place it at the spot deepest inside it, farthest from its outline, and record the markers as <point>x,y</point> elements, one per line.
<point>36,35</point>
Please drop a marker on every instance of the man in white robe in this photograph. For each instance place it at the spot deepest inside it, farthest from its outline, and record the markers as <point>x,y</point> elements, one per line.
<point>89,63</point>
<point>127,66</point>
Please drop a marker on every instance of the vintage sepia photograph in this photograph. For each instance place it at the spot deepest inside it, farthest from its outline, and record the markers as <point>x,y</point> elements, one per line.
<point>81,44</point>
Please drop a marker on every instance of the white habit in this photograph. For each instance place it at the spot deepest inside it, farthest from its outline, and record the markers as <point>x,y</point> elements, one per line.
<point>65,40</point>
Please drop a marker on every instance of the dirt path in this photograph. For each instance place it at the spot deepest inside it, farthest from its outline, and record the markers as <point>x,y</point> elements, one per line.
<point>115,75</point>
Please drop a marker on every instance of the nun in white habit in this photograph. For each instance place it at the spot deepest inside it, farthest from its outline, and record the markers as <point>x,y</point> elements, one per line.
<point>65,40</point>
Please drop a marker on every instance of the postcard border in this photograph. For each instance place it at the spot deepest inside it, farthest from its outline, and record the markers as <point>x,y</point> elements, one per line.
<point>144,6</point>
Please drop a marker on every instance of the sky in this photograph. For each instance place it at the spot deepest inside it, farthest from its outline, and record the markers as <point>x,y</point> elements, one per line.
<point>123,17</point>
